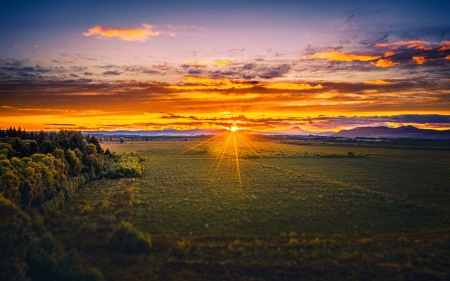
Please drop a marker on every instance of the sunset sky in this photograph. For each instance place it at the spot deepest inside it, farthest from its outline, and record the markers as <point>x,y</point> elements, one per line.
<point>260,65</point>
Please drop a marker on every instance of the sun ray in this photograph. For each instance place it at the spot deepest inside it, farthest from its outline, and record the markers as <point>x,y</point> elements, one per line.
<point>201,143</point>
<point>220,156</point>
<point>237,160</point>
<point>247,143</point>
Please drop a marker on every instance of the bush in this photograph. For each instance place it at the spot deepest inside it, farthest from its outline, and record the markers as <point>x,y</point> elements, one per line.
<point>48,260</point>
<point>126,166</point>
<point>127,239</point>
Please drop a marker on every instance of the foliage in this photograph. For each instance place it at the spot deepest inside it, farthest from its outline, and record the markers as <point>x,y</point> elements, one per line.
<point>40,171</point>
<point>49,261</point>
<point>14,240</point>
<point>126,165</point>
<point>33,168</point>
<point>127,239</point>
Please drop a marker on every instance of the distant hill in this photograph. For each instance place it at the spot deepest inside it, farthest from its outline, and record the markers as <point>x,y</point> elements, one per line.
<point>386,132</point>
<point>167,132</point>
<point>292,131</point>
<point>364,132</point>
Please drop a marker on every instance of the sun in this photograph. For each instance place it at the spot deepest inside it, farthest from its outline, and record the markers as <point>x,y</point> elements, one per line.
<point>234,128</point>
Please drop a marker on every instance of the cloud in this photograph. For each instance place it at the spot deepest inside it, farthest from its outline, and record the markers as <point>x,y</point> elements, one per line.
<point>127,34</point>
<point>382,63</point>
<point>377,82</point>
<point>60,124</point>
<point>140,69</point>
<point>419,59</point>
<point>292,86</point>
<point>416,44</point>
<point>223,63</point>
<point>109,72</point>
<point>445,46</point>
<point>195,64</point>
<point>202,99</point>
<point>339,56</point>
<point>198,83</point>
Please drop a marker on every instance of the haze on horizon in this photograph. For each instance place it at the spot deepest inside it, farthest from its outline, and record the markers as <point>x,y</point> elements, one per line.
<point>258,65</point>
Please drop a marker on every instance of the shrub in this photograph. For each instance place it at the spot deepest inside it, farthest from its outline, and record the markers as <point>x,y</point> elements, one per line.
<point>127,239</point>
<point>294,242</point>
<point>127,166</point>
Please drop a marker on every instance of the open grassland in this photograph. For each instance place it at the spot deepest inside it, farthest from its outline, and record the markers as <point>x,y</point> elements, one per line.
<point>237,206</point>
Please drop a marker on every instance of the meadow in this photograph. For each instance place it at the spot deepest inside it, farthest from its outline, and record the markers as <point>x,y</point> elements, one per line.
<point>247,207</point>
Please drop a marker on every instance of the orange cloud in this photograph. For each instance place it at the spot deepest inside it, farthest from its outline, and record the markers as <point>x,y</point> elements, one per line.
<point>339,56</point>
<point>444,46</point>
<point>408,44</point>
<point>447,57</point>
<point>377,82</point>
<point>388,54</point>
<point>419,59</point>
<point>384,63</point>
<point>223,63</point>
<point>417,44</point>
<point>425,48</point>
<point>126,34</point>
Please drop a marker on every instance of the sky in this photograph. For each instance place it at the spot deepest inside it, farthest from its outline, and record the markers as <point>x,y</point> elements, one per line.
<point>257,65</point>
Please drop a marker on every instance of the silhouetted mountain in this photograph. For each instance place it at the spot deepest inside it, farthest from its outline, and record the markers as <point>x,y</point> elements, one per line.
<point>386,132</point>
<point>292,131</point>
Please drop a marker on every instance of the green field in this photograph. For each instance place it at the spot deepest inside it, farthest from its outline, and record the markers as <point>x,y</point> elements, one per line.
<point>243,207</point>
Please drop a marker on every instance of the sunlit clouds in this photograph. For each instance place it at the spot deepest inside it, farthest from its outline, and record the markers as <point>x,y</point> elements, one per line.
<point>419,59</point>
<point>377,82</point>
<point>383,63</point>
<point>127,34</point>
<point>339,56</point>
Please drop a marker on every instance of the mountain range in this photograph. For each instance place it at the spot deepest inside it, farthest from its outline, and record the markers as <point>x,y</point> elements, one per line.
<point>364,132</point>
<point>400,132</point>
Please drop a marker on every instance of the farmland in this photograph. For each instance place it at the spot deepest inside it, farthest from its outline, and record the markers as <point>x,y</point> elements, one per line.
<point>238,206</point>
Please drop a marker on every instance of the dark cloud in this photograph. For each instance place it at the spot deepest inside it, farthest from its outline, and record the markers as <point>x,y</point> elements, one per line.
<point>78,68</point>
<point>140,69</point>
<point>232,51</point>
<point>60,124</point>
<point>251,71</point>
<point>111,73</point>
<point>16,69</point>
<point>194,71</point>
<point>88,73</point>
<point>108,66</point>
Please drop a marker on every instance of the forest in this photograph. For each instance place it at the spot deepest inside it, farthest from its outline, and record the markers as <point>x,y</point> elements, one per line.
<point>39,171</point>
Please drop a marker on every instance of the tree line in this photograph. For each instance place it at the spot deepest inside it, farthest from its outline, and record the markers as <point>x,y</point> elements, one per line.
<point>39,171</point>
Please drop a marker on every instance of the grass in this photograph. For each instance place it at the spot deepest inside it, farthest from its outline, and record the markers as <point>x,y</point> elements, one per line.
<point>237,207</point>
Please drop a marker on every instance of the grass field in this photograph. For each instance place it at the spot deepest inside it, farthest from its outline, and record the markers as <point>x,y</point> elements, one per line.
<point>238,206</point>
